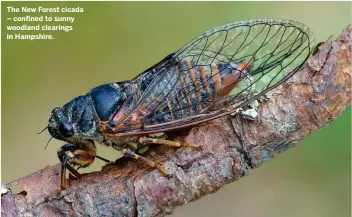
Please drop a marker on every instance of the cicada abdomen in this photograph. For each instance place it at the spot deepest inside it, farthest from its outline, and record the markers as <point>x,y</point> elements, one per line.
<point>195,89</point>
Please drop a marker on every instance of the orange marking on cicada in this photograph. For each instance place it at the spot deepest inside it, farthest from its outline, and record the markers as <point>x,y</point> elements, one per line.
<point>103,129</point>
<point>244,66</point>
<point>230,82</point>
<point>216,77</point>
<point>185,89</point>
<point>169,106</point>
<point>195,83</point>
<point>135,120</point>
<point>204,80</point>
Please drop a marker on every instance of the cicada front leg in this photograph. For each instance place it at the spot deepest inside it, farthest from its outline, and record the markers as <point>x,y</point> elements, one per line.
<point>74,155</point>
<point>71,154</point>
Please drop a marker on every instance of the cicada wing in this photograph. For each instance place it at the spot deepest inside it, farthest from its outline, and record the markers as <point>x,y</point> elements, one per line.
<point>274,50</point>
<point>223,68</point>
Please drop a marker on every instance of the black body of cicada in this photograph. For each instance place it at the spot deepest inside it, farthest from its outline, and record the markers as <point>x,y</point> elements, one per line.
<point>216,73</point>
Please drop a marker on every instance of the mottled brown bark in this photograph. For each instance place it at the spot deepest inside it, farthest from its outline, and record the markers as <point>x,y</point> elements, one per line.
<point>315,96</point>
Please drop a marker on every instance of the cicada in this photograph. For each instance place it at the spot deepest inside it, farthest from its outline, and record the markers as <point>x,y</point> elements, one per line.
<point>216,73</point>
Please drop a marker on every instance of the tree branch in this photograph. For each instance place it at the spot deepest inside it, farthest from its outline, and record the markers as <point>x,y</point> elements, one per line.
<point>315,96</point>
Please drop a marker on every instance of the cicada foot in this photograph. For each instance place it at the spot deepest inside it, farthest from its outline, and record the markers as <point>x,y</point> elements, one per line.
<point>131,154</point>
<point>148,141</point>
<point>71,155</point>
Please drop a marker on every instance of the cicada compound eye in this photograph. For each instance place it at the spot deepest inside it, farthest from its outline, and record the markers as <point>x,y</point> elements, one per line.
<point>66,129</point>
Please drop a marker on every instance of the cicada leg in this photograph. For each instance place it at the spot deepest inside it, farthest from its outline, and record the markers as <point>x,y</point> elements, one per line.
<point>148,141</point>
<point>131,154</point>
<point>72,155</point>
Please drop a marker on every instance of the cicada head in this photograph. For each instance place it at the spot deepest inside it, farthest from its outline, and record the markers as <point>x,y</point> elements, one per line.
<point>74,121</point>
<point>79,119</point>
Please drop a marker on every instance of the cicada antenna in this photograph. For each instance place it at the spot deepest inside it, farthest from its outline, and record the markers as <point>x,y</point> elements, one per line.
<point>43,130</point>
<point>48,142</point>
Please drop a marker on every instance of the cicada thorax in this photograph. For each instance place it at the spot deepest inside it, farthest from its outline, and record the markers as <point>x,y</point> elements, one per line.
<point>113,102</point>
<point>106,99</point>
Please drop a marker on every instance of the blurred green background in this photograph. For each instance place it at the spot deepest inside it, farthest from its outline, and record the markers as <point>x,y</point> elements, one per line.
<point>114,41</point>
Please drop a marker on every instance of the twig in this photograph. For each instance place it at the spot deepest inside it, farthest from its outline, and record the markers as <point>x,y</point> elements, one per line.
<point>315,96</point>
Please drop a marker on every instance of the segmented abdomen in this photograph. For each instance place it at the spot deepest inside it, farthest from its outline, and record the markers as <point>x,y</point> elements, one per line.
<point>190,89</point>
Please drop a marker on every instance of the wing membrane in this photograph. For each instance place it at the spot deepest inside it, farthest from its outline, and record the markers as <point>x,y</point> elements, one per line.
<point>220,70</point>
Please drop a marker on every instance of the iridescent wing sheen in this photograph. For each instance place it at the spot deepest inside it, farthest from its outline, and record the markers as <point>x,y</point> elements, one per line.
<point>217,72</point>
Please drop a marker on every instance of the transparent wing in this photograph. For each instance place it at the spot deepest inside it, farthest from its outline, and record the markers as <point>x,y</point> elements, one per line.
<point>221,69</point>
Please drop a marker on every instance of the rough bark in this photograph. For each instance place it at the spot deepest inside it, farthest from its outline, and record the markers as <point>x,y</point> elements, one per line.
<point>311,99</point>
